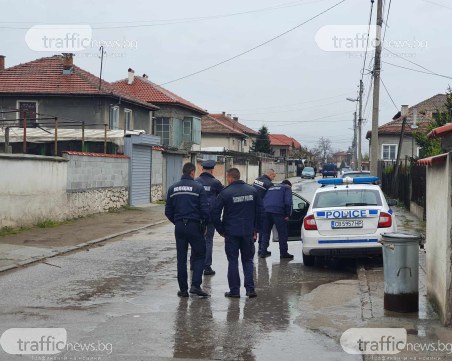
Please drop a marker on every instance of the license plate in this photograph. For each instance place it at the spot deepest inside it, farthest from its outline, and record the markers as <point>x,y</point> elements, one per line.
<point>347,224</point>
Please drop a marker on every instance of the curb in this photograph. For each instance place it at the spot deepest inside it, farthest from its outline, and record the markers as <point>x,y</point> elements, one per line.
<point>77,247</point>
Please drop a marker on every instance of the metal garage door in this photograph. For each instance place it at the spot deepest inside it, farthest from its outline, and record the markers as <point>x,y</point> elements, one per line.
<point>173,169</point>
<point>140,185</point>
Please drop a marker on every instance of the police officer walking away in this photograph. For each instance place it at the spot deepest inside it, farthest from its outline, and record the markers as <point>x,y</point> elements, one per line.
<point>278,208</point>
<point>213,187</point>
<point>262,184</point>
<point>242,208</point>
<point>187,208</point>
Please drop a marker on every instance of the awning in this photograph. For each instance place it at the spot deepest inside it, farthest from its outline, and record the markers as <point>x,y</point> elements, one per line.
<point>440,131</point>
<point>437,159</point>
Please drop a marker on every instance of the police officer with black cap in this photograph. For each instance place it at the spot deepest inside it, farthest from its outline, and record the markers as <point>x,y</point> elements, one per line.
<point>212,187</point>
<point>187,208</point>
<point>241,207</point>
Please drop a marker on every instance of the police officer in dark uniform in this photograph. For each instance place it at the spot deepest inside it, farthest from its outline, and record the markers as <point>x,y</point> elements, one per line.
<point>262,184</point>
<point>278,208</point>
<point>187,208</point>
<point>212,187</point>
<point>241,207</point>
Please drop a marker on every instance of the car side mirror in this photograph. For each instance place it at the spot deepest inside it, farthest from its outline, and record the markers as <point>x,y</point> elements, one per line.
<point>392,202</point>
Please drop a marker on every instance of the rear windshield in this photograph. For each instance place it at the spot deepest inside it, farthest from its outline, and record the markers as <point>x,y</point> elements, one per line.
<point>309,169</point>
<point>347,198</point>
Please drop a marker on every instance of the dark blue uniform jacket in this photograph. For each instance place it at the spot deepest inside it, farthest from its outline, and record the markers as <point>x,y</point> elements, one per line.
<point>212,186</point>
<point>242,210</point>
<point>262,184</point>
<point>186,199</point>
<point>278,199</point>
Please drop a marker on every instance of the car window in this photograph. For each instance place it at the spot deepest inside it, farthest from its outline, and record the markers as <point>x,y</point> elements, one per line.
<point>347,198</point>
<point>356,175</point>
<point>296,201</point>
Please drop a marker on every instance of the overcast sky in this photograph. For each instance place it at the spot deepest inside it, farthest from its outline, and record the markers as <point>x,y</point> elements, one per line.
<point>290,84</point>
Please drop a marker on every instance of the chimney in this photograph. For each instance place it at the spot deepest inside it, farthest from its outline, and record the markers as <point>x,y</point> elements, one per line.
<point>145,76</point>
<point>228,115</point>
<point>236,119</point>
<point>131,76</point>
<point>68,63</point>
<point>414,125</point>
<point>224,113</point>
<point>404,110</point>
<point>2,62</point>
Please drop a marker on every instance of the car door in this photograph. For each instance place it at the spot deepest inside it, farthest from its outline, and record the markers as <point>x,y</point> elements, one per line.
<point>299,209</point>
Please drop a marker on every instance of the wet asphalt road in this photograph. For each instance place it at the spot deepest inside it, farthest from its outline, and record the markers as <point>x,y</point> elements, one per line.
<point>122,296</point>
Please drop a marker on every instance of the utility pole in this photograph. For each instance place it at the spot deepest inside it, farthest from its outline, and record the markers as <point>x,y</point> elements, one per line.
<point>360,124</point>
<point>376,94</point>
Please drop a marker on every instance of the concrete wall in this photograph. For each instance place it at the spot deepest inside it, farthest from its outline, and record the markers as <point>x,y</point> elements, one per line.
<point>409,146</point>
<point>439,238</point>
<point>226,141</point>
<point>157,176</point>
<point>36,188</point>
<point>32,189</point>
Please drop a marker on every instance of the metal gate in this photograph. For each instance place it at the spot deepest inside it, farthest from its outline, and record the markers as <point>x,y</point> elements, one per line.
<point>139,149</point>
<point>173,168</point>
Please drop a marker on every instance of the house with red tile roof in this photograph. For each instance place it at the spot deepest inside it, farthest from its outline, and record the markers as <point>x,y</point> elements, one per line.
<point>220,130</point>
<point>55,87</point>
<point>282,145</point>
<point>418,118</point>
<point>177,121</point>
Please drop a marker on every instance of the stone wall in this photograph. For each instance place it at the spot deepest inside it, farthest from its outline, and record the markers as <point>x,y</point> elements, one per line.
<point>157,175</point>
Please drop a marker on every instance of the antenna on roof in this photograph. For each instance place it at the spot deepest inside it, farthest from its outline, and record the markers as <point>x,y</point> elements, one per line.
<point>101,49</point>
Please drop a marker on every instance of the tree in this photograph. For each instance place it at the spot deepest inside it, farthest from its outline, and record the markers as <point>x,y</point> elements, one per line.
<point>431,147</point>
<point>323,148</point>
<point>262,143</point>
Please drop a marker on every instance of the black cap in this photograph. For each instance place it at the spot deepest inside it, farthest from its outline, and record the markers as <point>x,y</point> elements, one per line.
<point>208,164</point>
<point>286,181</point>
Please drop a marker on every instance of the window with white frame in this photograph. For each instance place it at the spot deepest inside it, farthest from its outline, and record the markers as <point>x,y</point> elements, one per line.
<point>187,126</point>
<point>418,151</point>
<point>128,122</point>
<point>114,118</point>
<point>162,129</point>
<point>389,151</point>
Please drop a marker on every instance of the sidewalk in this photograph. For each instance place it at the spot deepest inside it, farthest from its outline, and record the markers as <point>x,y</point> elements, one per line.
<point>37,244</point>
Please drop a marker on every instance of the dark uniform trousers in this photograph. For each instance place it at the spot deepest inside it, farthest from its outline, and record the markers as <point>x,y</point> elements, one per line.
<point>189,233</point>
<point>278,220</point>
<point>244,244</point>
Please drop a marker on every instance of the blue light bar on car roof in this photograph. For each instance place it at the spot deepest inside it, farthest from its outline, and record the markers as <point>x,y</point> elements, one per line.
<point>349,180</point>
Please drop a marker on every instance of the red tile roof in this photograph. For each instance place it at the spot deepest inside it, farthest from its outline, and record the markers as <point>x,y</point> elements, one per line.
<point>45,76</point>
<point>440,131</point>
<point>85,154</point>
<point>211,125</point>
<point>425,110</point>
<point>437,159</point>
<point>234,124</point>
<point>147,91</point>
<point>283,140</point>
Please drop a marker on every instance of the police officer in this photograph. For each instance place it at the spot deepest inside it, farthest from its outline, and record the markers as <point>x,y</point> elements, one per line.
<point>212,187</point>
<point>262,184</point>
<point>241,207</point>
<point>278,208</point>
<point>187,208</point>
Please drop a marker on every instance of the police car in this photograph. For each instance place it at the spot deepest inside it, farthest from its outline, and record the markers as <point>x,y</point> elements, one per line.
<point>346,219</point>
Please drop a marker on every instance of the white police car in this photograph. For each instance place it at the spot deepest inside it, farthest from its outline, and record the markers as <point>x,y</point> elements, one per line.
<point>346,219</point>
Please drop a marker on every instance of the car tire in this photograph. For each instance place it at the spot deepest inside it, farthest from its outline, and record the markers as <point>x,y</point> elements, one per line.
<point>308,260</point>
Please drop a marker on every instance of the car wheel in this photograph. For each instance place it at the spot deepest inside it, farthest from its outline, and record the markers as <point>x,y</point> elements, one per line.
<point>308,261</point>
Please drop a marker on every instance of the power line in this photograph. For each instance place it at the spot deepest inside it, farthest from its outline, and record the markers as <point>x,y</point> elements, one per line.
<point>437,4</point>
<point>387,92</point>
<point>297,121</point>
<point>368,36</point>
<point>174,21</point>
<point>257,46</point>
<point>386,21</point>
<point>418,71</point>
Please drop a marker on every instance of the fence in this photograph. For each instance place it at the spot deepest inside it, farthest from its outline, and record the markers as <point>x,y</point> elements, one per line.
<point>410,187</point>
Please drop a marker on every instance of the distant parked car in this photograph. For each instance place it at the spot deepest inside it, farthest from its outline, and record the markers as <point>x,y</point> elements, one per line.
<point>308,172</point>
<point>356,174</point>
<point>329,170</point>
<point>346,170</point>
